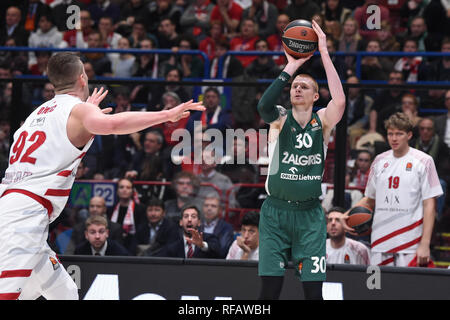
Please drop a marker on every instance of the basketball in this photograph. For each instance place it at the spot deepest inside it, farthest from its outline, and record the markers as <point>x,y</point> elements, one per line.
<point>360,219</point>
<point>299,39</point>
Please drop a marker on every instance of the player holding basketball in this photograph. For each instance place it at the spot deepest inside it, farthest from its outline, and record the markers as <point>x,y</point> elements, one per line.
<point>42,165</point>
<point>292,224</point>
<point>402,189</point>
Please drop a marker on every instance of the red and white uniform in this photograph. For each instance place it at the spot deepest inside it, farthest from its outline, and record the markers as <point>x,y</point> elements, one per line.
<point>399,187</point>
<point>34,191</point>
<point>352,252</point>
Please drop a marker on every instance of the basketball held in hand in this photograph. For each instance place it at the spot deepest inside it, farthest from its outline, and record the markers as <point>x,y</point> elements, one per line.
<point>360,219</point>
<point>299,39</point>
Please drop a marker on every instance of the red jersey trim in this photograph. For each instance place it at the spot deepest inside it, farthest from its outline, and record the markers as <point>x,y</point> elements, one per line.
<point>65,173</point>
<point>16,273</point>
<point>58,192</point>
<point>44,202</point>
<point>9,296</point>
<point>405,245</point>
<point>397,232</point>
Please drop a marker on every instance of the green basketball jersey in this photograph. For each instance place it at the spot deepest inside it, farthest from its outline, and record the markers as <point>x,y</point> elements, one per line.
<point>296,161</point>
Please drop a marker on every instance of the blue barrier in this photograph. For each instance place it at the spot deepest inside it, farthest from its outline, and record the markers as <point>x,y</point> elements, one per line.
<point>107,50</point>
<point>358,54</point>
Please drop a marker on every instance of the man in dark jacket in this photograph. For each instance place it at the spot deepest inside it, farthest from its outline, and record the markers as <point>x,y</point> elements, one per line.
<point>97,242</point>
<point>191,242</point>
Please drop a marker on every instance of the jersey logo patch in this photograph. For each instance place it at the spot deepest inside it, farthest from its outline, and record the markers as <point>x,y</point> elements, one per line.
<point>54,263</point>
<point>409,166</point>
<point>37,122</point>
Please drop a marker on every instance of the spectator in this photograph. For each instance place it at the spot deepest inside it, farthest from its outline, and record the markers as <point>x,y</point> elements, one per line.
<point>264,66</point>
<point>341,249</point>
<point>139,33</point>
<point>409,65</point>
<point>209,44</point>
<point>103,8</point>
<point>97,207</point>
<point>128,213</point>
<point>402,180</point>
<point>302,9</point>
<point>132,11</point>
<point>410,107</point>
<point>364,18</point>
<point>387,40</point>
<point>209,175</point>
<point>185,185</point>
<point>146,64</point>
<point>358,174</point>
<point>40,68</point>
<point>265,14</point>
<point>246,245</point>
<point>442,122</point>
<point>155,93</point>
<point>171,100</point>
<point>32,12</point>
<point>109,38</point>
<point>192,242</point>
<point>334,11</point>
<point>350,41</point>
<point>274,40</point>
<point>245,41</point>
<point>195,20</point>
<point>410,10</point>
<point>437,18</point>
<point>79,37</point>
<point>190,65</point>
<point>215,116</point>
<point>122,63</point>
<point>118,150</point>
<point>386,101</point>
<point>168,37</point>
<point>100,62</point>
<point>429,142</point>
<point>13,29</point>
<point>358,108</point>
<point>157,232</point>
<point>231,66</point>
<point>147,164</point>
<point>159,11</point>
<point>229,14</point>
<point>215,224</point>
<point>375,67</point>
<point>438,69</point>
<point>97,240</point>
<point>60,13</point>
<point>47,35</point>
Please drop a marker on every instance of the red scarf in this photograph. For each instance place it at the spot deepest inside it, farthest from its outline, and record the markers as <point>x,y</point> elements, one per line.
<point>128,221</point>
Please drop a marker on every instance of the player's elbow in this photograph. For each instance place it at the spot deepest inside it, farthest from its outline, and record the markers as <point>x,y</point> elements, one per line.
<point>339,101</point>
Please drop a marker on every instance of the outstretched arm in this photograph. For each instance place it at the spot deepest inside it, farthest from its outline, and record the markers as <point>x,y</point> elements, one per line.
<point>88,116</point>
<point>332,114</point>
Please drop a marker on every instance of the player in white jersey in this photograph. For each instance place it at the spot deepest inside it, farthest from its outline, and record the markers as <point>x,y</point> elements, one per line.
<point>402,189</point>
<point>43,161</point>
<point>341,249</point>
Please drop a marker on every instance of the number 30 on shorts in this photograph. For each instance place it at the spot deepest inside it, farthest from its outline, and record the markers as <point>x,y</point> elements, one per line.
<point>319,264</point>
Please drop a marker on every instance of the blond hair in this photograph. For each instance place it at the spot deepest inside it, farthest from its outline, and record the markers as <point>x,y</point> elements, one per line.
<point>399,121</point>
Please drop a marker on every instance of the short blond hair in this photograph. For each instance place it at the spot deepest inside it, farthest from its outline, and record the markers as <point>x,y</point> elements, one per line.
<point>97,220</point>
<point>399,121</point>
<point>305,75</point>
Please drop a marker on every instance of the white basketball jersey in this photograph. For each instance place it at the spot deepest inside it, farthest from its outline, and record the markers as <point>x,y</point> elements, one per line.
<point>42,159</point>
<point>399,186</point>
<point>352,252</point>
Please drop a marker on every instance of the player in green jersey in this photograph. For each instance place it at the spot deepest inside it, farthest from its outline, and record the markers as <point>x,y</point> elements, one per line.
<point>292,222</point>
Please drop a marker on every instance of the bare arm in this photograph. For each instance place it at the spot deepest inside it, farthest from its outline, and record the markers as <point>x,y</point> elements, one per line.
<point>423,251</point>
<point>332,114</point>
<point>87,119</point>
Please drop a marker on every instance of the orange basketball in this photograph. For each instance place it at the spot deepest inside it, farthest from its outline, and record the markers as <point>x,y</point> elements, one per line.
<point>299,38</point>
<point>360,219</point>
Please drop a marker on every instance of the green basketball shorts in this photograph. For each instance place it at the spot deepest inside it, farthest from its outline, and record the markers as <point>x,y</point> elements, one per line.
<point>294,232</point>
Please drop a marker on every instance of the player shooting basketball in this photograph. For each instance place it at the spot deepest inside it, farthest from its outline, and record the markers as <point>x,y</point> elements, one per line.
<point>43,160</point>
<point>292,224</point>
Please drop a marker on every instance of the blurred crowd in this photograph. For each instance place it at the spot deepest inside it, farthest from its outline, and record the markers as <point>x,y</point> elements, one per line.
<point>215,28</point>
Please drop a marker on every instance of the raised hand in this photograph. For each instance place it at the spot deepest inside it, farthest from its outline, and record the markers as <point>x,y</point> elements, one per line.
<point>182,110</point>
<point>322,44</point>
<point>97,96</point>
